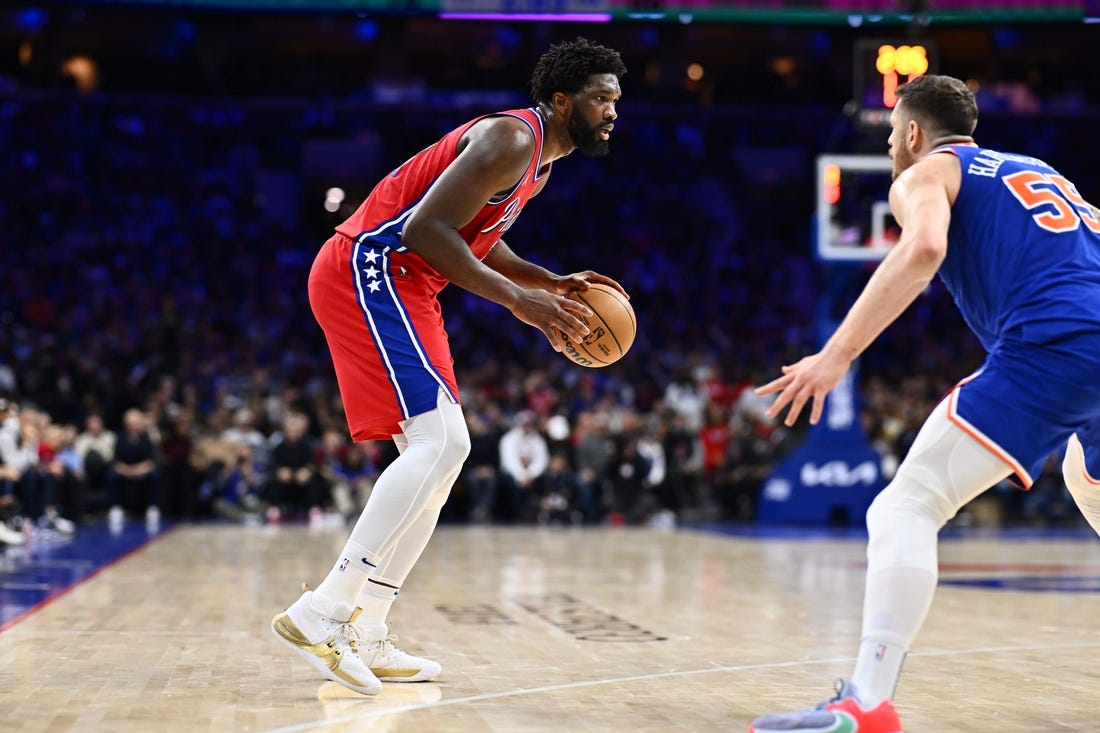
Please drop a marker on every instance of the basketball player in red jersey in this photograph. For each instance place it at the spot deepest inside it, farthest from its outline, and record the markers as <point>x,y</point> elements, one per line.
<point>436,219</point>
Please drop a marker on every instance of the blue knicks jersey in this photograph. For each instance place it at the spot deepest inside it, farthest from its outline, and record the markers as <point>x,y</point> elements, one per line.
<point>1023,249</point>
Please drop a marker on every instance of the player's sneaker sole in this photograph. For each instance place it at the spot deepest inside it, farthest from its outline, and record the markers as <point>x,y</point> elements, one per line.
<point>427,673</point>
<point>843,714</point>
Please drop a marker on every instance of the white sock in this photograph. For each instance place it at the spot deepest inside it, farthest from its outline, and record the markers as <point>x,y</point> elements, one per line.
<point>375,600</point>
<point>895,604</point>
<point>345,581</point>
<point>878,668</point>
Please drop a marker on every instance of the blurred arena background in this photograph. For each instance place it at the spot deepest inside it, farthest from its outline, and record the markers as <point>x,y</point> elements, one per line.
<point>168,170</point>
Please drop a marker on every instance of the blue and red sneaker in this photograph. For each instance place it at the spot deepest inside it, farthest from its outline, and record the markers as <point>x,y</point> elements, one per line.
<point>842,714</point>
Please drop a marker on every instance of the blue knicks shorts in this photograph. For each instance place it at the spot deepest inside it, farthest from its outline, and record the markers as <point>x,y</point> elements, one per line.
<point>1027,399</point>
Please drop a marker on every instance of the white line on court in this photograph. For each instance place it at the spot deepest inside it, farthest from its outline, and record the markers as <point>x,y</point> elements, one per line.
<point>358,717</point>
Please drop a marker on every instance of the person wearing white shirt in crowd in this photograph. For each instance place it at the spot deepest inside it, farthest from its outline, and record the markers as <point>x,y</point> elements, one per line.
<point>524,458</point>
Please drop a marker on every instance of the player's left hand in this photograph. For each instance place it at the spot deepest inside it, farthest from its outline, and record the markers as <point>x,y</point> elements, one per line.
<point>582,281</point>
<point>809,380</point>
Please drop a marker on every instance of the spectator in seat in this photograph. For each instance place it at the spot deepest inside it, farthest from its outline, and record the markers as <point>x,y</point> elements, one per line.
<point>135,471</point>
<point>96,448</point>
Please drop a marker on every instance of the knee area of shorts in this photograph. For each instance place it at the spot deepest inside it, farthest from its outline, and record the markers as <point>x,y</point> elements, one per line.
<point>456,436</point>
<point>444,457</point>
<point>444,434</point>
<point>907,500</point>
<point>457,446</point>
<point>451,453</point>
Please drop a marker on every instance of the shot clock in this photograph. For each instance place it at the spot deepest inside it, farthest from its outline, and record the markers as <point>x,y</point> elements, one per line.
<point>881,66</point>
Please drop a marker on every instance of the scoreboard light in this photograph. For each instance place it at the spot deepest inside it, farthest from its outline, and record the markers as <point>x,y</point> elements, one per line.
<point>894,62</point>
<point>881,66</point>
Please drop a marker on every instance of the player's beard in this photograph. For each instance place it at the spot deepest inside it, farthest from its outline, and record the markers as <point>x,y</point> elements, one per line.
<point>585,139</point>
<point>902,160</point>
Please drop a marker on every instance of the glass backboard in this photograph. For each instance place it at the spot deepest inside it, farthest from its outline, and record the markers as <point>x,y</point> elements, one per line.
<point>854,222</point>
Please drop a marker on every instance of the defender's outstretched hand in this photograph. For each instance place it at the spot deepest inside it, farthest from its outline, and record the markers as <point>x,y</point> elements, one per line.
<point>811,379</point>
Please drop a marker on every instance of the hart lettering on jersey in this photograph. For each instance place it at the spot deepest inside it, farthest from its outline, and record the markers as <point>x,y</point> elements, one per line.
<point>984,166</point>
<point>989,161</point>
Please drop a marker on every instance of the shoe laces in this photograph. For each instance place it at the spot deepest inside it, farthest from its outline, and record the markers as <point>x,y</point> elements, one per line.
<point>838,689</point>
<point>388,645</point>
<point>344,632</point>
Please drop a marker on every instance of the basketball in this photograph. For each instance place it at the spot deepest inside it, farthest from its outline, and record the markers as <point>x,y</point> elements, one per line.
<point>611,327</point>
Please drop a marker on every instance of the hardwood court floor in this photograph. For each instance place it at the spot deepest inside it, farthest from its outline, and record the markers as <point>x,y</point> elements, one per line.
<point>556,630</point>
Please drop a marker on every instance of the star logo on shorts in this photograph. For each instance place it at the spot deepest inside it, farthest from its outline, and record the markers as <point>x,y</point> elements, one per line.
<point>373,285</point>
<point>371,256</point>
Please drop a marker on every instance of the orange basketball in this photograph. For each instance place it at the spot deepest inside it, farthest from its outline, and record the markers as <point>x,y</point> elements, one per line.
<point>611,328</point>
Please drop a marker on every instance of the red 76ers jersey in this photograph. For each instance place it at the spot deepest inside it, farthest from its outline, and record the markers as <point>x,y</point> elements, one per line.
<point>380,219</point>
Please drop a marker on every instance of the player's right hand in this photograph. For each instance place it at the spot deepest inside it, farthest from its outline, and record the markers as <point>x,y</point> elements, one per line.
<point>554,315</point>
<point>807,381</point>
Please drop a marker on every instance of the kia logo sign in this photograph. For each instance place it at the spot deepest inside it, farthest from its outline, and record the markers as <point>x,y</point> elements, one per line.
<point>777,489</point>
<point>837,473</point>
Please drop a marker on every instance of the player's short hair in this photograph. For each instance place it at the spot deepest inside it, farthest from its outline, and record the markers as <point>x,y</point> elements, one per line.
<point>567,66</point>
<point>942,102</point>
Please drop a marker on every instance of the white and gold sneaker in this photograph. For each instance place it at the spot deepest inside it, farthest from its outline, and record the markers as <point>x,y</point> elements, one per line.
<point>378,651</point>
<point>329,643</point>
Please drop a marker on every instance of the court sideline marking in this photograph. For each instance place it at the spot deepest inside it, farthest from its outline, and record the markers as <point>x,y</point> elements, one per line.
<point>63,590</point>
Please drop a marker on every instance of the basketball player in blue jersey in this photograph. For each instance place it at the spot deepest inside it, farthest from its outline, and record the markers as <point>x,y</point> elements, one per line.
<point>1019,250</point>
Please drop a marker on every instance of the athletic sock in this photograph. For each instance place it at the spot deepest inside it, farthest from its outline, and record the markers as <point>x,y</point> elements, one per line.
<point>344,582</point>
<point>878,667</point>
<point>375,599</point>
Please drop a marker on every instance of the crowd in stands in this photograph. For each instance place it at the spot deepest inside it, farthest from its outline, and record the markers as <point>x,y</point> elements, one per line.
<point>158,357</point>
